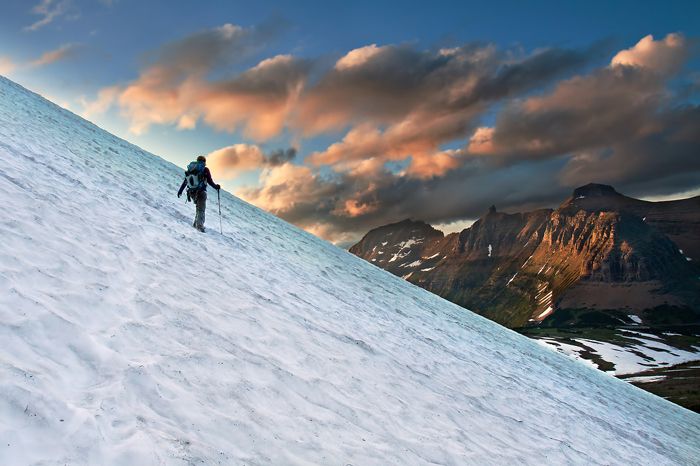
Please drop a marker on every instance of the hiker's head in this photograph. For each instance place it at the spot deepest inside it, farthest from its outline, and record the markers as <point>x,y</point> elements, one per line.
<point>202,158</point>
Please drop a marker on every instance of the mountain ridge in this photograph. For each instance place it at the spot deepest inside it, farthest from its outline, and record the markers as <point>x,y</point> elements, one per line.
<point>517,268</point>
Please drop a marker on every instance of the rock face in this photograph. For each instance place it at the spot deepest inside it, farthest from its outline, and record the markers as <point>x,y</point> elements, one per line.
<point>600,258</point>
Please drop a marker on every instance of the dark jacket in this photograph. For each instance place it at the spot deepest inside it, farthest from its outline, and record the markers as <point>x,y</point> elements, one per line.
<point>207,174</point>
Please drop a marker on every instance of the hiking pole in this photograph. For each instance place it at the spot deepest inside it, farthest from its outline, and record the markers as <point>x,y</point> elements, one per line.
<point>218,194</point>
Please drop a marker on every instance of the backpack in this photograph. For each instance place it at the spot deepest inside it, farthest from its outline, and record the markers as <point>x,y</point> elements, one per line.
<point>196,180</point>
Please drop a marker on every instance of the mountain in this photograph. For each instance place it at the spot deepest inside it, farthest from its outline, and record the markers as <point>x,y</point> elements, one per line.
<point>130,338</point>
<point>600,258</point>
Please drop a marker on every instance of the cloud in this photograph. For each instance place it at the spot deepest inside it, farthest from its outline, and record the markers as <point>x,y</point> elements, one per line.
<point>664,56</point>
<point>48,10</point>
<point>229,161</point>
<point>7,66</point>
<point>62,53</point>
<point>358,57</point>
<point>175,87</point>
<point>291,190</point>
<point>584,113</point>
<point>422,99</point>
<point>258,100</point>
<point>662,160</point>
<point>105,99</point>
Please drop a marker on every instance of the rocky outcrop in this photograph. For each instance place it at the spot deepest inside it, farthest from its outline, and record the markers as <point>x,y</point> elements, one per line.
<point>600,252</point>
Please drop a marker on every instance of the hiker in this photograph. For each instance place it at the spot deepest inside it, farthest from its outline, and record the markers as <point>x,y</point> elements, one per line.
<point>196,178</point>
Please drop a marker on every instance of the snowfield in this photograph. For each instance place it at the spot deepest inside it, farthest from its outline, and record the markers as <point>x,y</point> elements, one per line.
<point>128,338</point>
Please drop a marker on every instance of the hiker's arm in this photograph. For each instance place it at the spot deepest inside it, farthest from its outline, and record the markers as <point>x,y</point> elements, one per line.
<point>182,187</point>
<point>210,181</point>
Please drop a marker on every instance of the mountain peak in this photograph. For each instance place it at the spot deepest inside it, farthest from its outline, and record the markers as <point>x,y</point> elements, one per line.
<point>595,190</point>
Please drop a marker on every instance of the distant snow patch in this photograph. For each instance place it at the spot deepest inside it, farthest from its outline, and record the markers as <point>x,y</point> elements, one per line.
<point>405,245</point>
<point>490,249</point>
<point>646,378</point>
<point>546,312</point>
<point>413,264</point>
<point>635,319</point>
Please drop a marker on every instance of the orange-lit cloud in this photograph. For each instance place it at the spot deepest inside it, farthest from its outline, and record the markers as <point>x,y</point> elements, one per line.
<point>229,162</point>
<point>286,187</point>
<point>358,57</point>
<point>7,66</point>
<point>664,56</point>
<point>259,100</point>
<point>63,52</point>
<point>481,142</point>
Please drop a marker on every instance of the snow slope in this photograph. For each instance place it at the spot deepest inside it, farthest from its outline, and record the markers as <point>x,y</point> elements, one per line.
<point>129,338</point>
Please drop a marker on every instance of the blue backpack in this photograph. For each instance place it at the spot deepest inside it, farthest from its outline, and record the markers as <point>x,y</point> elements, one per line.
<point>196,181</point>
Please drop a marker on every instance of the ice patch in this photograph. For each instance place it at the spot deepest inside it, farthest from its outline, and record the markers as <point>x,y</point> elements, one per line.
<point>490,249</point>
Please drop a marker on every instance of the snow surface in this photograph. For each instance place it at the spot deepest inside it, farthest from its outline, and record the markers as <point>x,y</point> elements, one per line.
<point>131,339</point>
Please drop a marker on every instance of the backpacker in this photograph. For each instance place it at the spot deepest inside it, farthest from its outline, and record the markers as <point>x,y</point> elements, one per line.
<point>196,180</point>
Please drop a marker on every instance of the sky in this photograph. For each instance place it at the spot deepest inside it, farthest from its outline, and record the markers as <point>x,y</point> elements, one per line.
<point>344,116</point>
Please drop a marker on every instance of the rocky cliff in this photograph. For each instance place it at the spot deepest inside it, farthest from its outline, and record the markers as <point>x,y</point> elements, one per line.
<point>600,258</point>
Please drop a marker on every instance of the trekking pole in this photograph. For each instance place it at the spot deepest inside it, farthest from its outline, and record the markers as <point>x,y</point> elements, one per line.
<point>218,194</point>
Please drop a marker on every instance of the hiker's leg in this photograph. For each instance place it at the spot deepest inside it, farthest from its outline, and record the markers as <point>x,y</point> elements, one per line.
<point>196,210</point>
<point>201,206</point>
